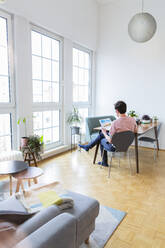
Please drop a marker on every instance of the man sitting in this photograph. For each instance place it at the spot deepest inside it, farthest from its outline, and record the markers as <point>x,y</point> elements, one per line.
<point>123,123</point>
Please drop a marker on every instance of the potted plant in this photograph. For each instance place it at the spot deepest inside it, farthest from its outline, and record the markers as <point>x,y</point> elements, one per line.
<point>155,119</point>
<point>35,144</point>
<point>74,120</point>
<point>24,140</point>
<point>132,113</point>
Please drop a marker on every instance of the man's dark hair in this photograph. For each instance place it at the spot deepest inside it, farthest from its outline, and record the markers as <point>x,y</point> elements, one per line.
<point>121,107</point>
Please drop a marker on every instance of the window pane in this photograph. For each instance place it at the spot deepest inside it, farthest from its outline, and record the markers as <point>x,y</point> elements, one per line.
<point>5,132</point>
<point>36,43</point>
<point>55,118</point>
<point>38,132</point>
<point>81,59</point>
<point>81,75</point>
<point>75,93</point>
<point>75,57</point>
<point>86,62</point>
<point>75,75</point>
<point>5,143</point>
<point>4,124</point>
<point>47,135</point>
<point>45,68</point>
<point>55,71</point>
<point>47,92</point>
<point>3,37</point>
<point>37,91</point>
<point>55,134</point>
<point>46,47</point>
<point>36,65</point>
<point>46,64</point>
<point>55,49</point>
<point>3,61</point>
<point>4,89</point>
<point>55,92</point>
<point>83,93</point>
<point>86,76</point>
<point>47,119</point>
<point>37,120</point>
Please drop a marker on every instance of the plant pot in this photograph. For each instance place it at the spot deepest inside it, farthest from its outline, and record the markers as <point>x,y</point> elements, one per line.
<point>75,130</point>
<point>24,141</point>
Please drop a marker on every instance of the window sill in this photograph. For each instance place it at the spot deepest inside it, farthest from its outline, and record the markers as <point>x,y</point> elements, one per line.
<point>55,151</point>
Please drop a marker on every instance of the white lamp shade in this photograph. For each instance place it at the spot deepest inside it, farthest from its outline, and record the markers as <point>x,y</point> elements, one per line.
<point>142,27</point>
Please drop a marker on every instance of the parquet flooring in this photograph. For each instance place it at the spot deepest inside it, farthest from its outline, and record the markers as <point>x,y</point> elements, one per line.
<point>142,196</point>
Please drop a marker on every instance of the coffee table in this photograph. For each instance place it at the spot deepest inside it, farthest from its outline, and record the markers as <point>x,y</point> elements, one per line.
<point>11,167</point>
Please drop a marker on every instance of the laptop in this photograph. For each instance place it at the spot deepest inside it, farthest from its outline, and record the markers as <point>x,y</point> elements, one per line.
<point>105,122</point>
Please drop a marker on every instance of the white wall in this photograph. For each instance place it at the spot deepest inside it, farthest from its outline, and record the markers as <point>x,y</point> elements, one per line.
<point>128,70</point>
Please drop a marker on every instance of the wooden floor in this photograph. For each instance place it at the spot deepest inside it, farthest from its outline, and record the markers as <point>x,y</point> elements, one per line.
<point>142,196</point>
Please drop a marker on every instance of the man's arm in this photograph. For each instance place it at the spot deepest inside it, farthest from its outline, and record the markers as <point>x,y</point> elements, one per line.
<point>104,131</point>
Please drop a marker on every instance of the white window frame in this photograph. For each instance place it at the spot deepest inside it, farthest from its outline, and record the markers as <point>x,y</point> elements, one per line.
<point>9,108</point>
<point>89,103</point>
<point>52,106</point>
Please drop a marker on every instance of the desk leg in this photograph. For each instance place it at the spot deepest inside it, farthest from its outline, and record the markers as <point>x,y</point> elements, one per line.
<point>96,151</point>
<point>11,188</point>
<point>156,137</point>
<point>136,153</point>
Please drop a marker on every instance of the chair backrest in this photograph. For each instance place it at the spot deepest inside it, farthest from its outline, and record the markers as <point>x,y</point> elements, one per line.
<point>122,140</point>
<point>92,122</point>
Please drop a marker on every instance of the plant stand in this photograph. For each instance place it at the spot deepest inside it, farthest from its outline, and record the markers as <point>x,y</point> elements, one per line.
<point>75,131</point>
<point>30,157</point>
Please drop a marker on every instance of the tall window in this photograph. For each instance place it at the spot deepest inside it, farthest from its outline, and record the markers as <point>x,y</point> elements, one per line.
<point>46,68</point>
<point>82,81</point>
<point>6,93</point>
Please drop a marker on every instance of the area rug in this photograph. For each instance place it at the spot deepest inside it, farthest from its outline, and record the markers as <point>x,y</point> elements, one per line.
<point>106,223</point>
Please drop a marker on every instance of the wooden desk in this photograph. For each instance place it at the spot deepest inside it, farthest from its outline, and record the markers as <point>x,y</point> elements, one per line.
<point>141,130</point>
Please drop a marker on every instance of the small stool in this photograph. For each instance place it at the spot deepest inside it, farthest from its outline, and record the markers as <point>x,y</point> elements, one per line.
<point>30,157</point>
<point>30,173</point>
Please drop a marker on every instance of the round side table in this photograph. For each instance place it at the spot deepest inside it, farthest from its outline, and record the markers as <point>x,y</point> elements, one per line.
<point>30,173</point>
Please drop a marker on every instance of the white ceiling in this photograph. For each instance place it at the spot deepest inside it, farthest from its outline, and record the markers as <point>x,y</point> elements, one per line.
<point>104,1</point>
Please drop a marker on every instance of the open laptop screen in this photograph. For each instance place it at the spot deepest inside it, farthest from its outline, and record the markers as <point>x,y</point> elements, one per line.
<point>105,122</point>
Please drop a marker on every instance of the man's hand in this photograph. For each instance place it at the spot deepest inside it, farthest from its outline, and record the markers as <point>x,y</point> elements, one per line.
<point>104,131</point>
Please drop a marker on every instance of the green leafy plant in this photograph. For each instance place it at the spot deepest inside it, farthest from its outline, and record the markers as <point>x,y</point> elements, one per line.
<point>74,117</point>
<point>24,121</point>
<point>35,145</point>
<point>132,113</point>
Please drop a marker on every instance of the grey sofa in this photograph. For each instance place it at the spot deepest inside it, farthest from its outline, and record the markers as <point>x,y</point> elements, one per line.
<point>91,123</point>
<point>51,227</point>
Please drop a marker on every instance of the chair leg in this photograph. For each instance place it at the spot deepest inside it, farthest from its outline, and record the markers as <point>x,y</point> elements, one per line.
<point>130,162</point>
<point>110,166</point>
<point>102,157</point>
<point>154,151</point>
<point>119,159</point>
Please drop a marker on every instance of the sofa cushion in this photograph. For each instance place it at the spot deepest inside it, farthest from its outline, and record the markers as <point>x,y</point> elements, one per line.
<point>85,210</point>
<point>13,211</point>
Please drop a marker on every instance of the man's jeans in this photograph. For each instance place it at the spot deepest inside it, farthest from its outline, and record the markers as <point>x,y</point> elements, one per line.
<point>100,139</point>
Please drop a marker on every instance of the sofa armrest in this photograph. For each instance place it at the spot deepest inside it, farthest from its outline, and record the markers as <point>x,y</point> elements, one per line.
<point>59,232</point>
<point>35,222</point>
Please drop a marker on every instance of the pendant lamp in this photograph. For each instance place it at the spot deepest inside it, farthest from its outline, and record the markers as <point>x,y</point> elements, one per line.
<point>142,26</point>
